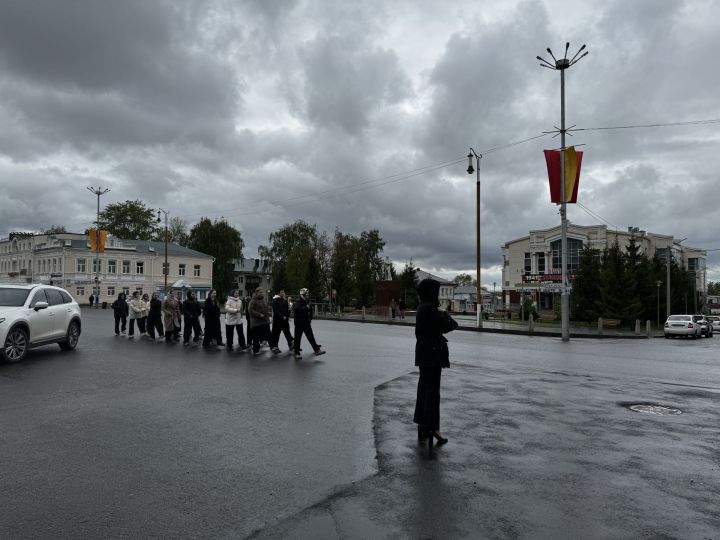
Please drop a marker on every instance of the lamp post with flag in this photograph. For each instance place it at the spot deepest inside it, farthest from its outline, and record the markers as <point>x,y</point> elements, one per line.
<point>561,65</point>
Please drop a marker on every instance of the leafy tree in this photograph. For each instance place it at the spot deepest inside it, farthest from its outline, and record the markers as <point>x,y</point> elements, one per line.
<point>713,287</point>
<point>343,268</point>
<point>225,243</point>
<point>585,286</point>
<point>295,262</point>
<point>55,229</point>
<point>370,267</point>
<point>408,285</point>
<point>177,231</point>
<point>130,220</point>
<point>464,280</point>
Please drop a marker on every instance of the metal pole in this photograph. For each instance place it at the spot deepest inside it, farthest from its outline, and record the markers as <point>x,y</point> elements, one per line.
<point>667,301</point>
<point>166,269</point>
<point>99,191</point>
<point>564,298</point>
<point>658,305</point>
<point>477,247</point>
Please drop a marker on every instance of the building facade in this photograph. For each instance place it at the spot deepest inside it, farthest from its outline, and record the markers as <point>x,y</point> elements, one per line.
<point>532,264</point>
<point>253,273</point>
<point>65,260</point>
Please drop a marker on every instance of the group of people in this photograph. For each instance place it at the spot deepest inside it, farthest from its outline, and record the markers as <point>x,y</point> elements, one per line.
<point>265,320</point>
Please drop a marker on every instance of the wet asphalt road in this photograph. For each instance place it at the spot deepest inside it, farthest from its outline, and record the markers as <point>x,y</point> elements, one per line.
<point>126,438</point>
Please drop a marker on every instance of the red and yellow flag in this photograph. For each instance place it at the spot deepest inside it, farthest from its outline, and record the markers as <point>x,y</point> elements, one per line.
<point>573,162</point>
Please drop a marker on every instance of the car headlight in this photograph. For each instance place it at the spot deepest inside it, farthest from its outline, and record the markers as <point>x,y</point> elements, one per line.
<point>2,320</point>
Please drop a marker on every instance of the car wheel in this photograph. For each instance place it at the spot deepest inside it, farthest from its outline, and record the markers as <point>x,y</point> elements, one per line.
<point>667,336</point>
<point>16,345</point>
<point>72,337</point>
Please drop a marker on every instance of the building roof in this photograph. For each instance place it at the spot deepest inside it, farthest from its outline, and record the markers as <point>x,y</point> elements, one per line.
<point>262,266</point>
<point>143,246</point>
<point>421,274</point>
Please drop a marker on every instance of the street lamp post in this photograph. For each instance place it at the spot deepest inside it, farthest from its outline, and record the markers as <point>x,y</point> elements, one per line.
<point>99,191</point>
<point>478,290</point>
<point>658,283</point>
<point>561,65</point>
<point>166,268</point>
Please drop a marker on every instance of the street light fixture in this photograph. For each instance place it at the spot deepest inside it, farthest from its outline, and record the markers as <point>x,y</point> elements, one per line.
<point>561,65</point>
<point>478,291</point>
<point>99,191</point>
<point>166,268</point>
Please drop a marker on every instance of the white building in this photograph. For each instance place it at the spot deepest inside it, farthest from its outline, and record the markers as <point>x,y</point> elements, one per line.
<point>65,260</point>
<point>532,265</point>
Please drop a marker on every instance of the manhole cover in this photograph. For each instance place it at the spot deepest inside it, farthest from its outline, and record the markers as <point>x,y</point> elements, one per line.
<point>653,409</point>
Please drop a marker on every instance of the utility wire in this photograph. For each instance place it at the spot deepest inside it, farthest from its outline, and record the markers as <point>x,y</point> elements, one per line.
<point>636,126</point>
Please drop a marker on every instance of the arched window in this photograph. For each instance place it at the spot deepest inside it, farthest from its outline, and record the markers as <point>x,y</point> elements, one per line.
<point>574,248</point>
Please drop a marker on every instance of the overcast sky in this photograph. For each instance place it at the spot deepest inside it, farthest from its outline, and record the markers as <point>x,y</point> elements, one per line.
<point>358,115</point>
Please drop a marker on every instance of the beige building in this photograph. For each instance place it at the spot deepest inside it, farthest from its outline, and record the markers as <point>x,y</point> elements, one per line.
<point>65,260</point>
<point>531,265</point>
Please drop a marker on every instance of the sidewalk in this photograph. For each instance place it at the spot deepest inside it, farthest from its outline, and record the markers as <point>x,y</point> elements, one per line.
<point>554,458</point>
<point>505,327</point>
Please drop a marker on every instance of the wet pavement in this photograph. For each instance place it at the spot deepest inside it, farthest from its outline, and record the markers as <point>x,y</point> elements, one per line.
<point>136,439</point>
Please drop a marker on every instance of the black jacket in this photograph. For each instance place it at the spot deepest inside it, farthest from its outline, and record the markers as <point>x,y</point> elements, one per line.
<point>120,307</point>
<point>280,308</point>
<point>191,309</point>
<point>431,348</point>
<point>302,311</point>
<point>155,309</point>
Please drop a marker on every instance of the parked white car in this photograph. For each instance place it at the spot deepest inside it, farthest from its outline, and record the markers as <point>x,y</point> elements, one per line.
<point>715,321</point>
<point>32,315</point>
<point>682,325</point>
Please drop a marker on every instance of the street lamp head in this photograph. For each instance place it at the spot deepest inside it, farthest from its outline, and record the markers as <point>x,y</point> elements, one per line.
<point>470,168</point>
<point>158,218</point>
<point>563,63</point>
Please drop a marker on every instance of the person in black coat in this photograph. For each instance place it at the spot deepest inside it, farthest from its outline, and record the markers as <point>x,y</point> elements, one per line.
<point>280,322</point>
<point>212,321</point>
<point>191,314</point>
<point>120,310</point>
<point>302,313</point>
<point>431,355</point>
<point>154,320</point>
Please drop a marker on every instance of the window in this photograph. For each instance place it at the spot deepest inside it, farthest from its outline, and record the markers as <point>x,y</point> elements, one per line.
<point>126,291</point>
<point>196,270</point>
<point>181,270</point>
<point>693,264</point>
<point>79,268</point>
<point>66,297</point>
<point>112,266</point>
<point>528,264</point>
<point>54,265</point>
<point>39,297</point>
<point>97,266</point>
<point>126,267</point>
<point>55,298</point>
<point>140,267</point>
<point>573,261</point>
<point>541,263</point>
<point>111,291</point>
<point>80,291</point>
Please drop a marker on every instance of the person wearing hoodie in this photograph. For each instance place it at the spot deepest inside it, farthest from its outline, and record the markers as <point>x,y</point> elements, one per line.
<point>259,312</point>
<point>302,313</point>
<point>234,320</point>
<point>154,321</point>
<point>136,310</point>
<point>191,318</point>
<point>280,322</point>
<point>120,311</point>
<point>431,356</point>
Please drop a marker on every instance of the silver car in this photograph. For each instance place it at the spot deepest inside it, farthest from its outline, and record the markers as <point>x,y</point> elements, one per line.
<point>715,321</point>
<point>706,327</point>
<point>32,315</point>
<point>682,325</point>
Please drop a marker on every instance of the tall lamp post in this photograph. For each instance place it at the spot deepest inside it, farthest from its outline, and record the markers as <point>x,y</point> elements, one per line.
<point>99,191</point>
<point>561,65</point>
<point>658,283</point>
<point>166,268</point>
<point>478,291</point>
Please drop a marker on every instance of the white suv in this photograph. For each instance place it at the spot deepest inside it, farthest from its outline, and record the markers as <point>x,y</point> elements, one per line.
<point>34,315</point>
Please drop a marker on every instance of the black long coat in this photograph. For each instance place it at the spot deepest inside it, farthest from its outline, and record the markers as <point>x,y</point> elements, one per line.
<point>212,318</point>
<point>431,348</point>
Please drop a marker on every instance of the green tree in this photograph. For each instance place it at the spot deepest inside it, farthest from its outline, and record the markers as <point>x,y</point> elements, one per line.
<point>369,265</point>
<point>177,231</point>
<point>408,285</point>
<point>55,229</point>
<point>343,267</point>
<point>292,251</point>
<point>131,220</point>
<point>585,286</point>
<point>225,243</point>
<point>464,280</point>
<point>610,303</point>
<point>713,287</point>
